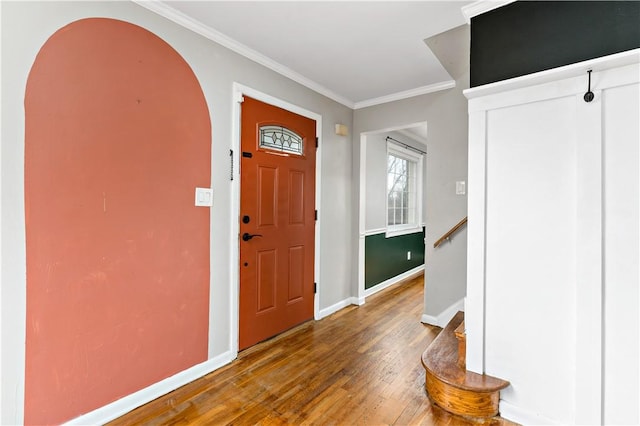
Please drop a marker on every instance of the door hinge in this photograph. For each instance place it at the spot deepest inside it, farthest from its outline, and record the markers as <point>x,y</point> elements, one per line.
<point>317,141</point>
<point>316,215</point>
<point>315,288</point>
<point>231,159</point>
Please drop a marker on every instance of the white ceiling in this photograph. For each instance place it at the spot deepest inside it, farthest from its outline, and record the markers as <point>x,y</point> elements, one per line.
<point>358,52</point>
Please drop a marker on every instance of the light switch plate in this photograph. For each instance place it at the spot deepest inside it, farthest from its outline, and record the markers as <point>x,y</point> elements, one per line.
<point>460,187</point>
<point>204,197</point>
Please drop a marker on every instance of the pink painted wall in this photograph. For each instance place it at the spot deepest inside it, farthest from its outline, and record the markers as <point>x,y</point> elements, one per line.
<point>118,136</point>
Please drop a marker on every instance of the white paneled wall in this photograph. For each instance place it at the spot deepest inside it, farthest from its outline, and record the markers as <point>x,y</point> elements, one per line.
<point>552,290</point>
<point>621,133</point>
<point>530,249</point>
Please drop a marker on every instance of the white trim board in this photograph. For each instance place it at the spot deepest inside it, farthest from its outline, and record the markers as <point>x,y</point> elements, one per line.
<point>377,231</point>
<point>132,401</point>
<point>362,203</point>
<point>359,301</point>
<point>443,318</point>
<point>397,128</point>
<point>336,307</point>
<point>431,88</point>
<point>377,288</point>
<point>411,273</point>
<point>524,417</point>
<point>482,6</point>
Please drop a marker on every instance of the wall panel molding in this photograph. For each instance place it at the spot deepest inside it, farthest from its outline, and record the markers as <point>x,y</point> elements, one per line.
<point>584,299</point>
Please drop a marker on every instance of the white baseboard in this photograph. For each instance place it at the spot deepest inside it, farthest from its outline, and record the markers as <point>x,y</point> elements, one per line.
<point>359,301</point>
<point>394,280</point>
<point>522,416</point>
<point>334,308</point>
<point>443,318</point>
<point>122,406</point>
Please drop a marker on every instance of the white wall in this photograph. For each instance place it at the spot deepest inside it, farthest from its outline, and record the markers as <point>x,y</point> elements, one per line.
<point>446,115</point>
<point>375,182</point>
<point>531,204</point>
<point>552,297</point>
<point>25,28</point>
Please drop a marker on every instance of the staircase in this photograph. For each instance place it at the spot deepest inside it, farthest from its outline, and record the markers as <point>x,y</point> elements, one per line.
<point>450,385</point>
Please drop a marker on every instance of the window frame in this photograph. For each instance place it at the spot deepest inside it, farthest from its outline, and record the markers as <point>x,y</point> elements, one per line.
<point>265,128</point>
<point>416,160</point>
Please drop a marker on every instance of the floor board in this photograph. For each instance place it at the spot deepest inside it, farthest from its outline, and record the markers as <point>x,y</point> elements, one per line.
<point>359,366</point>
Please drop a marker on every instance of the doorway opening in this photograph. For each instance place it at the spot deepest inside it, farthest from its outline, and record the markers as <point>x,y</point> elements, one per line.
<point>391,223</point>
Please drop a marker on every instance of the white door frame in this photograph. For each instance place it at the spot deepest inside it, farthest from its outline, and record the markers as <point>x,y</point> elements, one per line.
<point>239,91</point>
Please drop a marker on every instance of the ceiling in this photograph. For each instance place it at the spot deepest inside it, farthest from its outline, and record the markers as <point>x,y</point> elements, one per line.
<point>358,53</point>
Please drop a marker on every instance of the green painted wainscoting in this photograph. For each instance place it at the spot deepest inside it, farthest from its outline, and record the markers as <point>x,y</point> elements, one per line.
<point>386,258</point>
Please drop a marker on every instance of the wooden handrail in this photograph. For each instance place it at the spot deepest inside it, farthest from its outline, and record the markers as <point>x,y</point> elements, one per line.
<point>450,232</point>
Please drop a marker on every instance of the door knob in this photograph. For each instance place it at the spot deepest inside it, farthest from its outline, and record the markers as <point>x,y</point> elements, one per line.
<point>246,236</point>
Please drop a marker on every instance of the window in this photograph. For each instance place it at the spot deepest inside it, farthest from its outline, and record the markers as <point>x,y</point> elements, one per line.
<point>404,191</point>
<point>281,139</point>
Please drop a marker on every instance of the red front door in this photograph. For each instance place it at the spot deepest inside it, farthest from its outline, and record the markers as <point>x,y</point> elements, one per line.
<point>277,221</point>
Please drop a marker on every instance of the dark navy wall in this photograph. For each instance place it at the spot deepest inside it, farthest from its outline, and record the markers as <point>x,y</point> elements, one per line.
<point>386,258</point>
<point>530,36</point>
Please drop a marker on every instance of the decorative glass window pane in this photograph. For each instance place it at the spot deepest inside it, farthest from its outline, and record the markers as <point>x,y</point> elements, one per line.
<point>281,139</point>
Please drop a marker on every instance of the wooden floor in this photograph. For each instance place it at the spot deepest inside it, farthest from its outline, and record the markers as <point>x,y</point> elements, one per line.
<point>359,366</point>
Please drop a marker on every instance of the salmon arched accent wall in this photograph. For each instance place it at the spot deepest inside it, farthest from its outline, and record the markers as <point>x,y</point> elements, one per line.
<point>117,137</point>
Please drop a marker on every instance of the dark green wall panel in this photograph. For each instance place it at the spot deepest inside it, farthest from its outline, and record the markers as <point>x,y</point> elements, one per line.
<point>530,36</point>
<point>385,258</point>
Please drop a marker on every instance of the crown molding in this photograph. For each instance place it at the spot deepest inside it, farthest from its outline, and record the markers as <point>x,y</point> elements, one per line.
<point>198,27</point>
<point>481,6</point>
<point>436,87</point>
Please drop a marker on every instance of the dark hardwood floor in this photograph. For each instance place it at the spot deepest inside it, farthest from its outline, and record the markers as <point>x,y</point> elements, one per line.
<point>359,366</point>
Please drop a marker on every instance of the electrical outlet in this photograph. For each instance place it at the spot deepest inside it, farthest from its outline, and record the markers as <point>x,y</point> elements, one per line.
<point>408,255</point>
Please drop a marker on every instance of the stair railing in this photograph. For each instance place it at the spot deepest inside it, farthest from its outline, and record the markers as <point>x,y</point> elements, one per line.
<point>450,232</point>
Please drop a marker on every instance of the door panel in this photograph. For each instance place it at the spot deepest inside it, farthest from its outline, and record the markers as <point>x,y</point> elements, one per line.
<point>268,191</point>
<point>277,180</point>
<point>296,198</point>
<point>266,280</point>
<point>296,273</point>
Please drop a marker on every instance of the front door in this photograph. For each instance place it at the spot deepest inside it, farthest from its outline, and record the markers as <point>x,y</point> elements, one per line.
<point>277,221</point>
